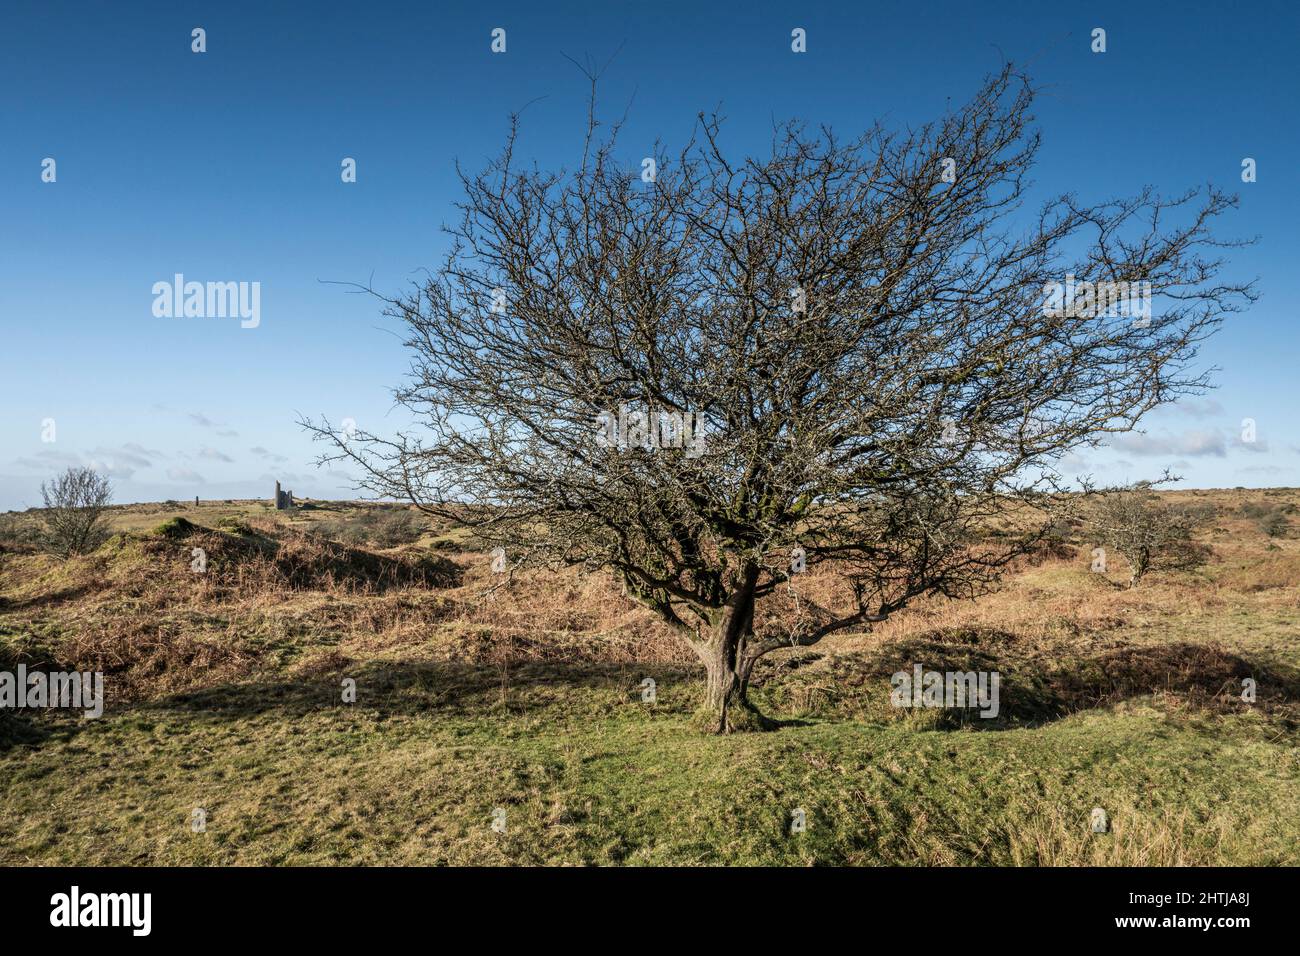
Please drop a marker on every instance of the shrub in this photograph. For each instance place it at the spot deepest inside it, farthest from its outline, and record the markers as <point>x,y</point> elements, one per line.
<point>74,511</point>
<point>1134,523</point>
<point>1274,524</point>
<point>379,527</point>
<point>1271,519</point>
<point>16,534</point>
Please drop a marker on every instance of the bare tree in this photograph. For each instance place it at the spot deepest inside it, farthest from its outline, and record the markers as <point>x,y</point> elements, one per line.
<point>74,511</point>
<point>848,339</point>
<point>1133,522</point>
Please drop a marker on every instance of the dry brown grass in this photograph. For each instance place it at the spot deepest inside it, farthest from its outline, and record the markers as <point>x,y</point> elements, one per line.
<point>277,593</point>
<point>1061,838</point>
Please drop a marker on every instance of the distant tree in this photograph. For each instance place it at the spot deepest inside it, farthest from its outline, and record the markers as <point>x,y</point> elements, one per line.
<point>1133,522</point>
<point>852,336</point>
<point>74,510</point>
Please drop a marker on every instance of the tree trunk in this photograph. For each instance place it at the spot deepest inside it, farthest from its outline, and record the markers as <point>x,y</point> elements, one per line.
<point>724,692</point>
<point>1138,567</point>
<point>726,708</point>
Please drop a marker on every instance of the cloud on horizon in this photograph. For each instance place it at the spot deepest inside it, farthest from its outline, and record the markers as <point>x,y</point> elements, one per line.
<point>1191,443</point>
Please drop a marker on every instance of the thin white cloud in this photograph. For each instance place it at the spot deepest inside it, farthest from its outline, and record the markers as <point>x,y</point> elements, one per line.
<point>287,479</point>
<point>1193,443</point>
<point>261,452</point>
<point>120,462</point>
<point>47,458</point>
<point>137,449</point>
<point>114,468</point>
<point>125,456</point>
<point>1198,407</point>
<point>1258,446</point>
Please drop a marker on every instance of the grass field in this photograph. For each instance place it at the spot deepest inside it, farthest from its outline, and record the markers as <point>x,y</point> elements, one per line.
<point>225,692</point>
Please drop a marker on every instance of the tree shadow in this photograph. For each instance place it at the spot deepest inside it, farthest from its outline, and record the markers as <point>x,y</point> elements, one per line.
<point>1037,687</point>
<point>1037,683</point>
<point>18,729</point>
<point>417,688</point>
<point>394,689</point>
<point>9,605</point>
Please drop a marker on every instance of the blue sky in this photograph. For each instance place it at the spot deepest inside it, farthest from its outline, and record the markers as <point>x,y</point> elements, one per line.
<point>225,166</point>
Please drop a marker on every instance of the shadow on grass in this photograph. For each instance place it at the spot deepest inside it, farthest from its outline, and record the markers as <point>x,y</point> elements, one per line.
<point>398,689</point>
<point>19,729</point>
<point>1038,683</point>
<point>420,688</point>
<point>1036,687</point>
<point>46,600</point>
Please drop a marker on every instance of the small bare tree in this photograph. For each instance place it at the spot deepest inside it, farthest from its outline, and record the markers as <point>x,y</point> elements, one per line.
<point>74,510</point>
<point>1133,522</point>
<point>711,375</point>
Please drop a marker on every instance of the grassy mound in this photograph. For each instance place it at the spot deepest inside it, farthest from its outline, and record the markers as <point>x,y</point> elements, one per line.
<point>183,605</point>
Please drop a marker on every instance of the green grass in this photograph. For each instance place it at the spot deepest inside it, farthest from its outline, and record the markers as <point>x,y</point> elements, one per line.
<point>587,774</point>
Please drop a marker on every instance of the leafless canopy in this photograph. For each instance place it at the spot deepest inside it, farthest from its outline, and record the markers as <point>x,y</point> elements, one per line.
<point>1132,521</point>
<point>74,510</point>
<point>862,343</point>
